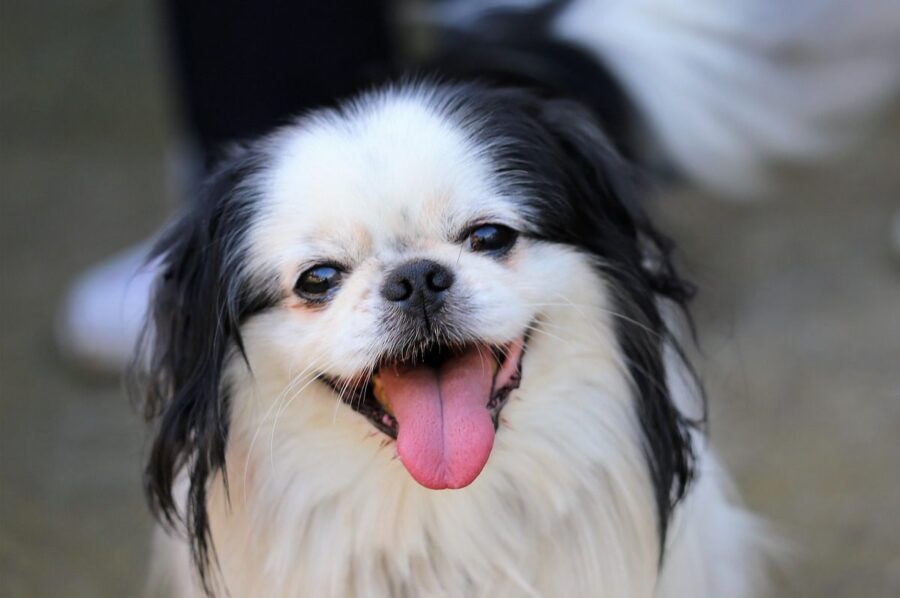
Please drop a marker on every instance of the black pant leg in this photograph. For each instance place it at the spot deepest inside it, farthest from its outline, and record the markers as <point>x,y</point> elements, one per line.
<point>245,66</point>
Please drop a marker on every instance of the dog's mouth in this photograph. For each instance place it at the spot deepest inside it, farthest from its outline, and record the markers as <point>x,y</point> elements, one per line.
<point>442,407</point>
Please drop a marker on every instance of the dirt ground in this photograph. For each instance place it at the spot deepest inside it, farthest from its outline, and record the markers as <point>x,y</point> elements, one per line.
<point>798,313</point>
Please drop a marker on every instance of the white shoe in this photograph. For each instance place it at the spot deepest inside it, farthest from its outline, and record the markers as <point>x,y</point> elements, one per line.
<point>101,320</point>
<point>99,324</point>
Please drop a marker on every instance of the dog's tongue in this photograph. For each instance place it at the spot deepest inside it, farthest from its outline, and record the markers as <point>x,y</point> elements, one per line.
<point>445,431</point>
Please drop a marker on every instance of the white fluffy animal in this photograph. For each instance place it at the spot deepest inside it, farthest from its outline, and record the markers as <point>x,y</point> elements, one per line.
<point>421,340</point>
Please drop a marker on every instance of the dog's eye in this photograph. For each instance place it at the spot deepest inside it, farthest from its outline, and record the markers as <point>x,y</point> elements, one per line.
<point>318,282</point>
<point>494,238</point>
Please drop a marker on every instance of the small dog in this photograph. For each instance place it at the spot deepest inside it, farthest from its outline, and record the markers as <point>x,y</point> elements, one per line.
<point>421,344</point>
<point>436,286</point>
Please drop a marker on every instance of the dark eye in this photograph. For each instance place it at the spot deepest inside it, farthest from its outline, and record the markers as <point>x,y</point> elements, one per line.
<point>317,283</point>
<point>494,238</point>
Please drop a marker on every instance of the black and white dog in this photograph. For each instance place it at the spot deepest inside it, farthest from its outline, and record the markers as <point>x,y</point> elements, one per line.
<point>422,344</point>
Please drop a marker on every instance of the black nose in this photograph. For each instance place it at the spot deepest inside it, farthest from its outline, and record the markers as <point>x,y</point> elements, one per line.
<point>419,286</point>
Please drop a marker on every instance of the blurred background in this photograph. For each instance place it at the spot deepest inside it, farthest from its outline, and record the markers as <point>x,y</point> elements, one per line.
<point>798,316</point>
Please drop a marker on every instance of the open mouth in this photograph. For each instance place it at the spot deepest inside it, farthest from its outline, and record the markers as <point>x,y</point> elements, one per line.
<point>443,407</point>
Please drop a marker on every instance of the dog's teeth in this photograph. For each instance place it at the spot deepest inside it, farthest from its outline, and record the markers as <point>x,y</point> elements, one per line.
<point>380,395</point>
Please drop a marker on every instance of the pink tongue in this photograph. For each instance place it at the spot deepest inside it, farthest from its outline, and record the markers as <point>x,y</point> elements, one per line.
<point>445,431</point>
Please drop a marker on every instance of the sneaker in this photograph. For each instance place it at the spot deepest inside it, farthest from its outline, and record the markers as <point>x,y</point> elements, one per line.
<point>101,319</point>
<point>99,324</point>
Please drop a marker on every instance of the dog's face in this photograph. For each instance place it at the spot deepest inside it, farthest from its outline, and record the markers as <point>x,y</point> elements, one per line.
<point>409,276</point>
<point>401,253</point>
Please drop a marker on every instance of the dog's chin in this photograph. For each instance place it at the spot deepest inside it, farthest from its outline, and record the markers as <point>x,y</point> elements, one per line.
<point>442,406</point>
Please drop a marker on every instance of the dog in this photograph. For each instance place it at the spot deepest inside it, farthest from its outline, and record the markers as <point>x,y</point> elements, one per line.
<point>428,343</point>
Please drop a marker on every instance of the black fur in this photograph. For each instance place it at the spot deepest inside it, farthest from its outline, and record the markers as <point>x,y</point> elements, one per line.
<point>566,129</point>
<point>517,48</point>
<point>198,306</point>
<point>556,156</point>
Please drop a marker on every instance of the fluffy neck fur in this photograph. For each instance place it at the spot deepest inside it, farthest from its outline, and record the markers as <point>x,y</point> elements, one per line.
<point>318,504</point>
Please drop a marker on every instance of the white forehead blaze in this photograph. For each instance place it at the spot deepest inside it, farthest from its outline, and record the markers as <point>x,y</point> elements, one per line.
<point>391,171</point>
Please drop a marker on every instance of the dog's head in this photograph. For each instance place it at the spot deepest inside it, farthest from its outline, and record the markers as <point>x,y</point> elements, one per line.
<point>401,253</point>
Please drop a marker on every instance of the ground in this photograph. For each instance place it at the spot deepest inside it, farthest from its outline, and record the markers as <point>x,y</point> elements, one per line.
<point>798,317</point>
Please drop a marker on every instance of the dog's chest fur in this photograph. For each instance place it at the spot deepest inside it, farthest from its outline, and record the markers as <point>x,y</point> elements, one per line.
<point>314,511</point>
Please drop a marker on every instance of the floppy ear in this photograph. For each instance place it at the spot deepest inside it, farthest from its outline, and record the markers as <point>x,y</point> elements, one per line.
<point>602,214</point>
<point>199,302</point>
<point>614,188</point>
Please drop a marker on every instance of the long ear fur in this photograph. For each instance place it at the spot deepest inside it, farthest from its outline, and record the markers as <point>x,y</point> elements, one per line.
<point>606,218</point>
<point>584,194</point>
<point>200,300</point>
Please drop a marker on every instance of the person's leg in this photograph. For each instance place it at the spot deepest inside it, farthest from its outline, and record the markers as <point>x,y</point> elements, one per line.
<point>241,68</point>
<point>244,67</point>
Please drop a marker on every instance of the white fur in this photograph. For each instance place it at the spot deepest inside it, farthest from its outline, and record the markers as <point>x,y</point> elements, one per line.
<point>726,87</point>
<point>320,506</point>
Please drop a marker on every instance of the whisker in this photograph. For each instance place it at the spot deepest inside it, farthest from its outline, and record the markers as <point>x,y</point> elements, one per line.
<point>340,399</point>
<point>293,381</point>
<point>480,357</point>
<point>294,394</point>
